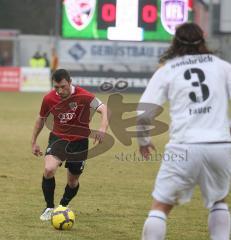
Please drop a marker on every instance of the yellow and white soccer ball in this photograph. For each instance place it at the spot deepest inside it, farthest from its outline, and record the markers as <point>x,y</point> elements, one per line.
<point>62,218</point>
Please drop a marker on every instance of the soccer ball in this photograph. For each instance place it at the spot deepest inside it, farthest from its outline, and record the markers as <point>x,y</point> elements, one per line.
<point>62,218</point>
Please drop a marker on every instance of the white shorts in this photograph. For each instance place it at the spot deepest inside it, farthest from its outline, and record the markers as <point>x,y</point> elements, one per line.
<point>186,165</point>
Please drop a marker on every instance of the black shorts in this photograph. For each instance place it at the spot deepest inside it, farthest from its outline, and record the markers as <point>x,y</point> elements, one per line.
<point>73,152</point>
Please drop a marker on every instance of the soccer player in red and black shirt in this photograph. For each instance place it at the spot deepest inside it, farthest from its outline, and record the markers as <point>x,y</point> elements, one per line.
<point>69,108</point>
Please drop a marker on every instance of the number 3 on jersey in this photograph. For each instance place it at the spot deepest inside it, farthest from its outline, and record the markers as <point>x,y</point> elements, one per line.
<point>201,78</point>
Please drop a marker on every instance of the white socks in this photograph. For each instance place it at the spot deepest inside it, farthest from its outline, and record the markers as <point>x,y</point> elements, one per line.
<point>155,226</point>
<point>219,222</point>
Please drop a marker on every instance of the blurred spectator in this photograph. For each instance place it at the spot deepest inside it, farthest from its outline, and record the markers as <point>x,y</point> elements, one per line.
<point>5,59</point>
<point>37,61</point>
<point>47,62</point>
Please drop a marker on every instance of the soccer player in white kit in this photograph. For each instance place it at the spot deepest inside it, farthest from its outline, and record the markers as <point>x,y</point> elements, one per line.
<point>197,85</point>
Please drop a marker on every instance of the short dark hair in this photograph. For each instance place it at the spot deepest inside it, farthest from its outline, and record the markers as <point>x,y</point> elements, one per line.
<point>188,40</point>
<point>61,74</point>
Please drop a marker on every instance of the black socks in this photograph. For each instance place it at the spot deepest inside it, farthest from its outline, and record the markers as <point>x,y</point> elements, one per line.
<point>48,187</point>
<point>68,194</point>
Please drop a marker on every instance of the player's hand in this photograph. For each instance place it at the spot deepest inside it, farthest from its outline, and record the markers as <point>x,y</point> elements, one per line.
<point>36,150</point>
<point>99,136</point>
<point>145,151</point>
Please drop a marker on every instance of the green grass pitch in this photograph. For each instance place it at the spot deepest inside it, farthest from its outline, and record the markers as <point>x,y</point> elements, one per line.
<point>114,196</point>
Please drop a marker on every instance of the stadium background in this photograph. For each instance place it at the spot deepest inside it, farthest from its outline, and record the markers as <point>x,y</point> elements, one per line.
<point>115,188</point>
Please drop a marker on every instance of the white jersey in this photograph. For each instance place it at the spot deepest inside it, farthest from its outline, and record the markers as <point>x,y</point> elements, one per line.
<point>198,88</point>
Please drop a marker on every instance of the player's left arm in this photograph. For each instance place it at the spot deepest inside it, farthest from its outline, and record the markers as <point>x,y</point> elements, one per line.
<point>103,110</point>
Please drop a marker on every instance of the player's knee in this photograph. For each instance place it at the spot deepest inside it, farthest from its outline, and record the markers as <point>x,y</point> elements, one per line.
<point>73,181</point>
<point>49,172</point>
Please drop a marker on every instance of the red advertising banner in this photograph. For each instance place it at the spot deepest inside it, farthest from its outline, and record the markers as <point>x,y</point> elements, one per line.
<point>9,78</point>
<point>190,4</point>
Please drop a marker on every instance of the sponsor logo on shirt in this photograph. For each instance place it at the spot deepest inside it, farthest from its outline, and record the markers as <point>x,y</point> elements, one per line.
<point>66,117</point>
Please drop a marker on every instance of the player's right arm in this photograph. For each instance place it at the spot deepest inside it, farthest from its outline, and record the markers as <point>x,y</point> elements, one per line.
<point>154,96</point>
<point>39,124</point>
